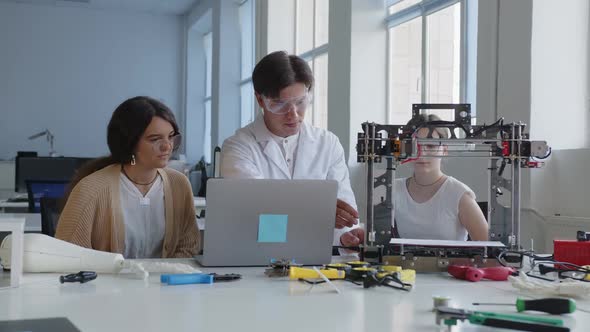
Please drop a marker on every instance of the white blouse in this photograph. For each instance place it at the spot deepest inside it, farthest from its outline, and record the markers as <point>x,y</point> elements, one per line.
<point>437,218</point>
<point>144,218</point>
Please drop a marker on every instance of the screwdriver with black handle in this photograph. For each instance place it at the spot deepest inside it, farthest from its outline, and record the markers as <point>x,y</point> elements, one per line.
<point>554,306</point>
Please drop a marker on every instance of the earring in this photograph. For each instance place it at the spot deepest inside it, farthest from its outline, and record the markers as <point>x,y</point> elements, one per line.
<point>133,160</point>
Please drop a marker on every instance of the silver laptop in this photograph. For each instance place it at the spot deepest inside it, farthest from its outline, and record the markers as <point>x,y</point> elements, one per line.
<point>251,221</point>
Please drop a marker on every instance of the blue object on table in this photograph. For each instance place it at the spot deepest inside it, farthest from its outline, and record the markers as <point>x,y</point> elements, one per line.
<point>272,227</point>
<point>188,278</point>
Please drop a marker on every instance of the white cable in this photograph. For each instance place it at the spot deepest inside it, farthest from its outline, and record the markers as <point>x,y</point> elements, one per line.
<point>326,279</point>
<point>568,287</point>
<point>142,268</point>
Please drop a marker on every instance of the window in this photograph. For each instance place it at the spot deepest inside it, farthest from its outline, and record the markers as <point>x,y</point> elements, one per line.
<point>208,46</point>
<point>306,21</point>
<point>311,43</point>
<point>247,101</point>
<point>424,60</point>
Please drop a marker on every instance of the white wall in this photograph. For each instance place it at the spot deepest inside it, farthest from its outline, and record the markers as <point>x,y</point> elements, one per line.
<point>7,176</point>
<point>560,90</point>
<point>560,72</point>
<point>67,68</point>
<point>357,78</point>
<point>563,186</point>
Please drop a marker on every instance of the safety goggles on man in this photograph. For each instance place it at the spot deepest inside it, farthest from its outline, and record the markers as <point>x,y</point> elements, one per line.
<point>283,106</point>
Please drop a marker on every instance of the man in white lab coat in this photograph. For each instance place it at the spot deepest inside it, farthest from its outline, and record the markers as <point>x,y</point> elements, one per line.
<point>280,145</point>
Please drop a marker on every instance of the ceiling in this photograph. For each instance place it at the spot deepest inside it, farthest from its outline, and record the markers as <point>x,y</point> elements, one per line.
<point>159,7</point>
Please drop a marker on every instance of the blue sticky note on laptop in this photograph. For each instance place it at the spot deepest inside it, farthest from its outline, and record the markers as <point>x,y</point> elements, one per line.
<point>272,227</point>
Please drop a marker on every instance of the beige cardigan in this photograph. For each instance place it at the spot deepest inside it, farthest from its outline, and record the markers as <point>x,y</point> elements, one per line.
<point>92,216</point>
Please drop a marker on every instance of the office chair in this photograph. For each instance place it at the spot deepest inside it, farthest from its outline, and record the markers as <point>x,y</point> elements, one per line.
<point>216,171</point>
<point>26,154</point>
<point>51,208</point>
<point>484,209</point>
<point>37,189</point>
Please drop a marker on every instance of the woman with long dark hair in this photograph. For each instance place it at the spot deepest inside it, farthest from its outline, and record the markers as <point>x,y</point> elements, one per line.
<point>129,202</point>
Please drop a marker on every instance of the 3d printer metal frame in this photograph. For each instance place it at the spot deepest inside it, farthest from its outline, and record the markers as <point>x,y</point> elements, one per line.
<point>504,144</point>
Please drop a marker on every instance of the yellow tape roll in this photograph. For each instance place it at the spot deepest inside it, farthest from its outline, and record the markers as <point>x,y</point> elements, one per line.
<point>391,268</point>
<point>358,264</point>
<point>384,274</point>
<point>338,266</point>
<point>408,276</point>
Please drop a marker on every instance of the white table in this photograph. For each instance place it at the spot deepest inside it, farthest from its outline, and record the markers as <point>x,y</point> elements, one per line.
<point>32,220</point>
<point>6,194</point>
<point>5,204</point>
<point>255,303</point>
<point>200,202</point>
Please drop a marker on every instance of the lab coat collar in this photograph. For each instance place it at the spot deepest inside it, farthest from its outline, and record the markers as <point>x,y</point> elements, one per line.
<point>272,150</point>
<point>262,133</point>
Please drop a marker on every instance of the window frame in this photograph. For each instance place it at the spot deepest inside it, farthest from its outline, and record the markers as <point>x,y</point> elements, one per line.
<point>424,9</point>
<point>311,55</point>
<point>248,80</point>
<point>207,151</point>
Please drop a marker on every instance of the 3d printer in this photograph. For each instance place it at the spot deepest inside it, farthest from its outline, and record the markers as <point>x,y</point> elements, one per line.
<point>505,144</point>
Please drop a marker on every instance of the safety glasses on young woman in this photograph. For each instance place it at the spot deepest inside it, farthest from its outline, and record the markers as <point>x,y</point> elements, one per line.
<point>159,145</point>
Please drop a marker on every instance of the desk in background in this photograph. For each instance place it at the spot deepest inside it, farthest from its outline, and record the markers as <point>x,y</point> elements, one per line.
<point>255,303</point>
<point>200,203</point>
<point>32,220</point>
<point>14,205</point>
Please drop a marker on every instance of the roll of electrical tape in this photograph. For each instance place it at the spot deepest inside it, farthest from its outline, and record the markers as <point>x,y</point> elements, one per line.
<point>440,301</point>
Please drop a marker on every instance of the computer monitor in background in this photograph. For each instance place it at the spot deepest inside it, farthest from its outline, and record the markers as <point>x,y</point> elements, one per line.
<point>45,168</point>
<point>82,161</point>
<point>38,189</point>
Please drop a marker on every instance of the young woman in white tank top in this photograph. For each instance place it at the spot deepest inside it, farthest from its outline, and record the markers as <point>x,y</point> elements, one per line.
<point>432,205</point>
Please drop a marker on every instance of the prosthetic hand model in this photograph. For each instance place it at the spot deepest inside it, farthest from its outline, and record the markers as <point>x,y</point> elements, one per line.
<point>43,253</point>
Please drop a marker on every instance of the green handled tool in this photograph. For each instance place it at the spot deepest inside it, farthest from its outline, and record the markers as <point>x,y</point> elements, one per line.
<point>450,316</point>
<point>554,306</point>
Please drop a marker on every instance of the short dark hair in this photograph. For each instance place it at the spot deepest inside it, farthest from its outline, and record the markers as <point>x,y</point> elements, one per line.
<point>277,71</point>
